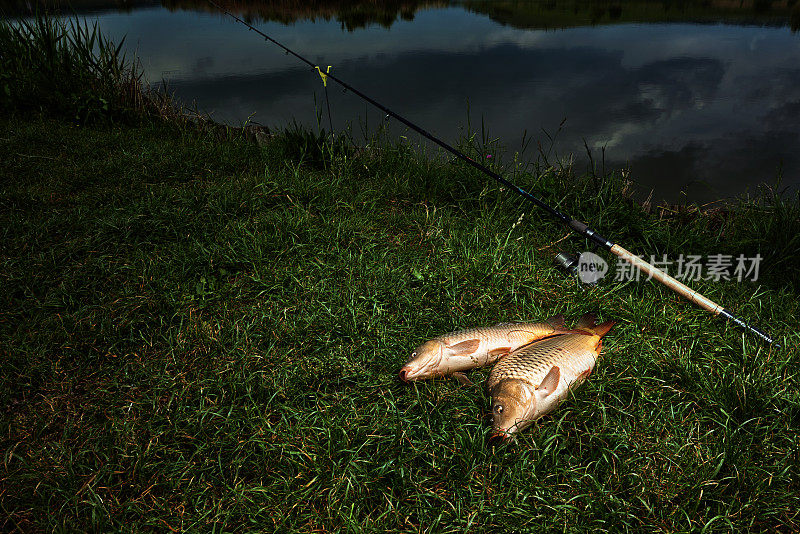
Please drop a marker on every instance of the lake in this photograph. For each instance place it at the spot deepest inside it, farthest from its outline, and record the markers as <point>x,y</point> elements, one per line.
<point>699,101</point>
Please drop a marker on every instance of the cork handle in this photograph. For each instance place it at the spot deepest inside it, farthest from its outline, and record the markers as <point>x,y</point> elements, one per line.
<point>680,288</point>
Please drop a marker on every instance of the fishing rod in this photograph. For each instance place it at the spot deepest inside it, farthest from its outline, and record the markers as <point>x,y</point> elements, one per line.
<point>575,225</point>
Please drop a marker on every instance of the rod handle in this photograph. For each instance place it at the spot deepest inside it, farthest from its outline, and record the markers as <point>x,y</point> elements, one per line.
<point>675,285</point>
<point>687,292</point>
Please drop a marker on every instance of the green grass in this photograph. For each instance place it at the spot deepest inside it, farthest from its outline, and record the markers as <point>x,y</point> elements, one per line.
<point>203,334</point>
<point>68,68</point>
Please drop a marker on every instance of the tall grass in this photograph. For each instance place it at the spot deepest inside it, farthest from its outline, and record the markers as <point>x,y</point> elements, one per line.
<point>772,229</point>
<point>68,67</point>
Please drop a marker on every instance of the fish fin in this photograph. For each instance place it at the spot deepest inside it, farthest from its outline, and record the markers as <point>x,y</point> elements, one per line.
<point>521,330</point>
<point>537,336</point>
<point>462,379</point>
<point>557,322</point>
<point>465,347</point>
<point>556,333</point>
<point>550,381</point>
<point>587,325</point>
<point>499,351</point>
<point>602,329</point>
<point>584,375</point>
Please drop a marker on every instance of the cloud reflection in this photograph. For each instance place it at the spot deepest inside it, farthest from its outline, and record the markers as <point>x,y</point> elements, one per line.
<point>681,104</point>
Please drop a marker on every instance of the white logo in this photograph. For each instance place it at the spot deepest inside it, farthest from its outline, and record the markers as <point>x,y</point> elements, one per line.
<point>591,268</point>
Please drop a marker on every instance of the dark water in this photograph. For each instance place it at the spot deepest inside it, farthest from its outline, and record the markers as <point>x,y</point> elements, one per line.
<point>698,106</point>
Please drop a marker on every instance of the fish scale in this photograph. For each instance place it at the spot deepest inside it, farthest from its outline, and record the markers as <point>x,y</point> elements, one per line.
<point>502,332</point>
<point>531,363</point>
<point>513,335</point>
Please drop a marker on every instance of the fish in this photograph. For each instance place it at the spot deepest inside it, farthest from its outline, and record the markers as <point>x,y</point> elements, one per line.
<point>533,380</point>
<point>469,349</point>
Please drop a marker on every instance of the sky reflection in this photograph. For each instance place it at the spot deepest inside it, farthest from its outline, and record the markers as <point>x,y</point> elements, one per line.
<point>710,110</point>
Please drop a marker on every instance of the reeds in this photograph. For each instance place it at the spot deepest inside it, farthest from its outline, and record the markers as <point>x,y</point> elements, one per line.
<point>68,67</point>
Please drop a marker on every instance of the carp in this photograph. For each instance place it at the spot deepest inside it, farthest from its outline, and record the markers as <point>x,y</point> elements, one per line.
<point>533,380</point>
<point>475,347</point>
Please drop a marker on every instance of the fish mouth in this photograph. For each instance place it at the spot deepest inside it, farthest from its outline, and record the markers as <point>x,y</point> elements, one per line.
<point>409,373</point>
<point>417,371</point>
<point>500,435</point>
<point>406,374</point>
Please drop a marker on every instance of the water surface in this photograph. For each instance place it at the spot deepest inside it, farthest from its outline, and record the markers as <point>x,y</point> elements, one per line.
<point>695,109</point>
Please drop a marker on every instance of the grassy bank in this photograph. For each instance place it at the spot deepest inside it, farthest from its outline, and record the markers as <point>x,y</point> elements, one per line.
<point>203,334</point>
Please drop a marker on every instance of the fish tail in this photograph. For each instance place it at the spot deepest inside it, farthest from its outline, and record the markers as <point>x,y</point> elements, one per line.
<point>587,324</point>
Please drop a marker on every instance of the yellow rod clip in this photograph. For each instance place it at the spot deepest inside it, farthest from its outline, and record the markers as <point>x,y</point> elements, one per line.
<point>324,75</point>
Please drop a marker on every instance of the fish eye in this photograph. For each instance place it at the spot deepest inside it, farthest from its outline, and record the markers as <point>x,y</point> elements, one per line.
<point>498,408</point>
<point>414,354</point>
